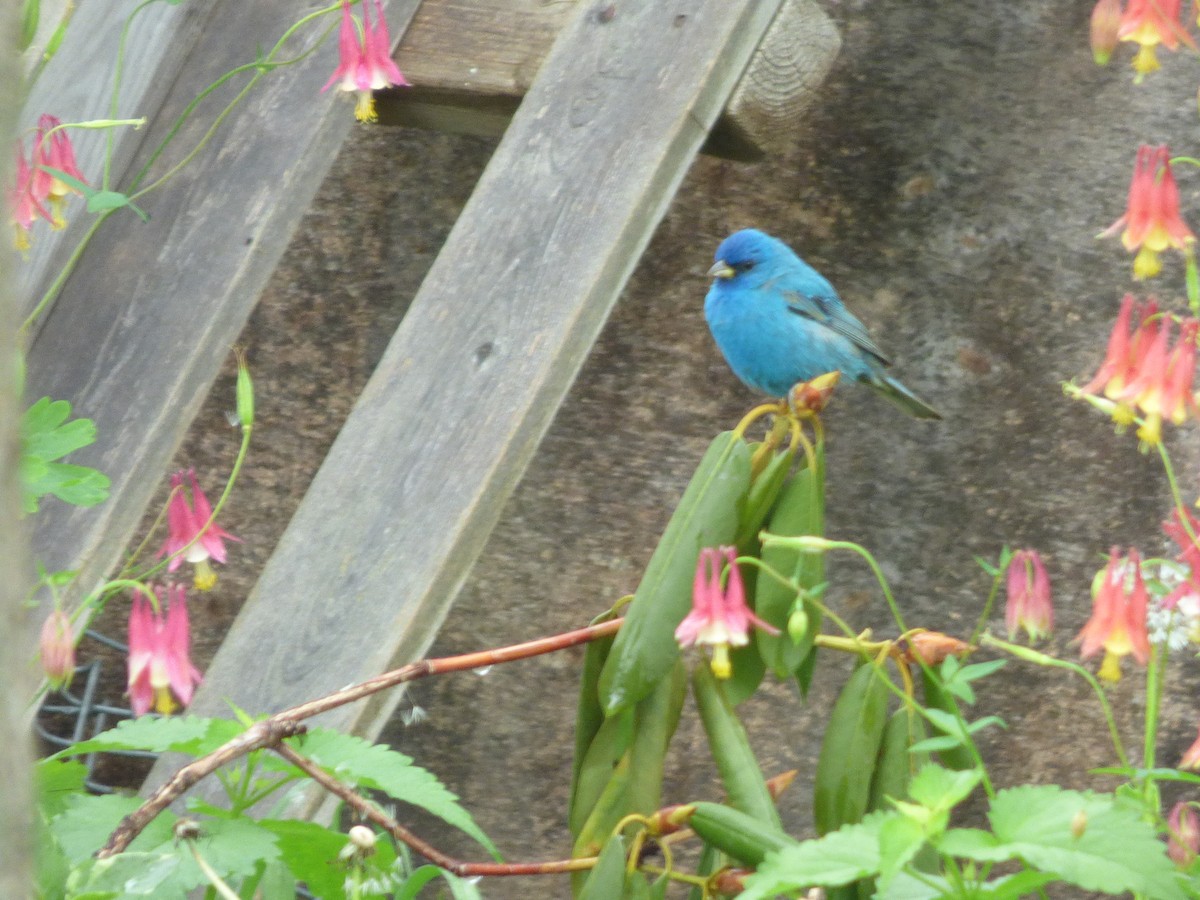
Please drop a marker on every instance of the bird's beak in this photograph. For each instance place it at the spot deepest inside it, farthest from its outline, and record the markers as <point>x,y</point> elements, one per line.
<point>720,269</point>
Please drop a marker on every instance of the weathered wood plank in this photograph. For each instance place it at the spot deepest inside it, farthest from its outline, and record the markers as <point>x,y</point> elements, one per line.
<point>400,509</point>
<point>152,310</point>
<point>471,62</point>
<point>76,85</point>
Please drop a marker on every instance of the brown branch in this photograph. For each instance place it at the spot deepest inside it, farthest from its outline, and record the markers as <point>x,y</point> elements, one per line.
<point>373,813</point>
<point>270,732</point>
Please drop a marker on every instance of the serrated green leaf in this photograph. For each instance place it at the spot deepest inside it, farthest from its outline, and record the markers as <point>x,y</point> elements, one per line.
<point>899,840</point>
<point>969,842</point>
<point>939,789</point>
<point>374,766</point>
<point>129,874</point>
<point>57,781</point>
<point>193,735</point>
<point>842,856</point>
<point>1088,839</point>
<point>84,826</point>
<point>234,847</point>
<point>310,852</point>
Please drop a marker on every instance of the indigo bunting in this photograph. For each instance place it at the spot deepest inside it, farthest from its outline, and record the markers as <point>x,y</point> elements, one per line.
<point>779,322</point>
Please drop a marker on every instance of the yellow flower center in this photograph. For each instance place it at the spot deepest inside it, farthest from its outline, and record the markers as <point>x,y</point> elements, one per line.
<point>205,578</point>
<point>364,108</point>
<point>721,667</point>
<point>1146,264</point>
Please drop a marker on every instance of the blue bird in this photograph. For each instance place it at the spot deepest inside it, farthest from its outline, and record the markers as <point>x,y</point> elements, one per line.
<point>779,322</point>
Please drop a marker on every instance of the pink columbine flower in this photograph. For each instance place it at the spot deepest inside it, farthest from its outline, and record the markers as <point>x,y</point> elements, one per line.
<point>52,147</point>
<point>1029,604</point>
<point>1183,834</point>
<point>1181,531</point>
<point>1191,756</point>
<point>57,647</point>
<point>24,205</point>
<point>1118,621</point>
<point>719,617</point>
<point>1105,25</point>
<point>161,674</point>
<point>186,528</point>
<point>365,59</point>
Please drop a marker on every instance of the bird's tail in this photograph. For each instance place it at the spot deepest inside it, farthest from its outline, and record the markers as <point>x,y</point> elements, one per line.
<point>894,391</point>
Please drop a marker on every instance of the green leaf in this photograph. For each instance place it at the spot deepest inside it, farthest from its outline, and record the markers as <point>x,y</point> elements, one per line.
<point>731,750</point>
<point>839,858</point>
<point>44,434</point>
<point>193,735</point>
<point>1088,839</point>
<point>310,851</point>
<point>58,781</point>
<point>235,847</point>
<point>940,789</point>
<point>850,749</point>
<point>707,516</point>
<point>899,840</point>
<point>84,826</point>
<point>102,201</point>
<point>129,874</point>
<point>77,485</point>
<point>356,761</point>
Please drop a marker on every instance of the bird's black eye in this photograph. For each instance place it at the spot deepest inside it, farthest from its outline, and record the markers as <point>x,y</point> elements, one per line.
<point>744,265</point>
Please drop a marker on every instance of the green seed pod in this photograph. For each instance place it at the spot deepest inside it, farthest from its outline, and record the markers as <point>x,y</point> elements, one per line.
<point>736,834</point>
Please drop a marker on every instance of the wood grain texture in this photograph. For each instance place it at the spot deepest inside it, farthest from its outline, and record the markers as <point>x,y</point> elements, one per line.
<point>77,85</point>
<point>397,514</point>
<point>471,62</point>
<point>153,309</point>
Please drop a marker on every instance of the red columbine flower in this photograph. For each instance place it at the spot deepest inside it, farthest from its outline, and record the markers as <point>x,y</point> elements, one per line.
<point>161,674</point>
<point>1106,23</point>
<point>24,205</point>
<point>1029,605</point>
<point>1152,221</point>
<point>365,59</point>
<point>1118,622</point>
<point>1149,23</point>
<point>57,646</point>
<point>186,528</point>
<point>1191,756</point>
<point>1189,555</point>
<point>52,147</point>
<point>1163,389</point>
<point>719,617</point>
<point>1183,834</point>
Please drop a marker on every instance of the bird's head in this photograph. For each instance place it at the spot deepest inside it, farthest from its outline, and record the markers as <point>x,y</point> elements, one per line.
<point>746,254</point>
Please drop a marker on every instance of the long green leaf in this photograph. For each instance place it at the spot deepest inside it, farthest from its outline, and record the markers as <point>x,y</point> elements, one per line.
<point>707,516</point>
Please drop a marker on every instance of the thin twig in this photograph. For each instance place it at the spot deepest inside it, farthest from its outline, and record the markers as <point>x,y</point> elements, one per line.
<point>373,813</point>
<point>270,732</point>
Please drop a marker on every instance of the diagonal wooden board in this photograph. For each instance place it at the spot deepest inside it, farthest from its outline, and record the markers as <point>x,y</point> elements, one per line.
<point>398,512</point>
<point>150,314</point>
<point>77,85</point>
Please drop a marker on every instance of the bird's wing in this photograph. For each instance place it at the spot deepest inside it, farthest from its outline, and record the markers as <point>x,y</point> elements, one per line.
<point>827,308</point>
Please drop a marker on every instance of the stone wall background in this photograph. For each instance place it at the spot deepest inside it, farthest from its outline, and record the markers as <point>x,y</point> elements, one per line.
<point>950,183</point>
